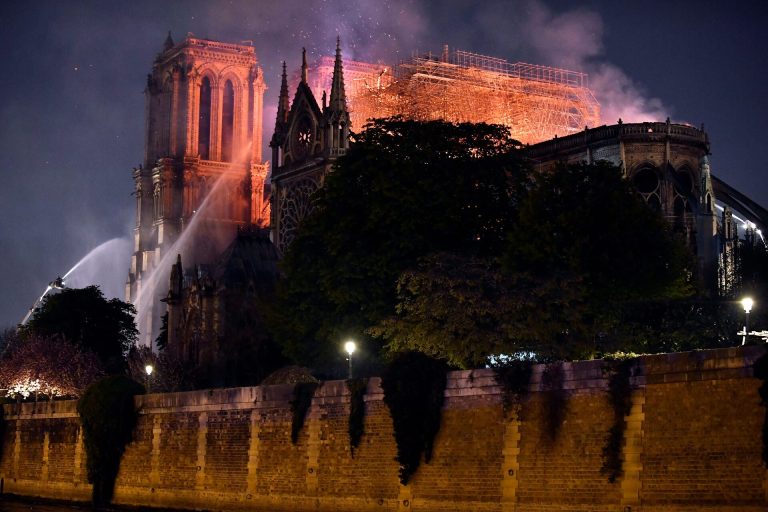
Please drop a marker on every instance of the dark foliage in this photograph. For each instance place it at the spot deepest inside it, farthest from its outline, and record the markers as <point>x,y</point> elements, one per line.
<point>414,387</point>
<point>554,399</point>
<point>162,338</point>
<point>651,327</point>
<point>620,397</point>
<point>405,189</point>
<point>109,417</point>
<point>84,317</point>
<point>514,377</point>
<point>760,371</point>
<point>302,400</point>
<point>357,388</point>
<point>584,226</point>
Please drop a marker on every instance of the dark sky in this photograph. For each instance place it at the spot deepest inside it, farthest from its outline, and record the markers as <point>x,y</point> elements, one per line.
<point>72,105</point>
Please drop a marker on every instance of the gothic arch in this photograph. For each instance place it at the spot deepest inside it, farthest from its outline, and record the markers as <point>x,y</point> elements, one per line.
<point>648,182</point>
<point>228,121</point>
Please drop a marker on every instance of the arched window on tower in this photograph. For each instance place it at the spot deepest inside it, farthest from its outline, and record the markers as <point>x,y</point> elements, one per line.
<point>204,122</point>
<point>227,122</point>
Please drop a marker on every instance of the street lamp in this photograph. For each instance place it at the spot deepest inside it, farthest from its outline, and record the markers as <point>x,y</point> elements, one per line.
<point>747,304</point>
<point>149,368</point>
<point>350,348</point>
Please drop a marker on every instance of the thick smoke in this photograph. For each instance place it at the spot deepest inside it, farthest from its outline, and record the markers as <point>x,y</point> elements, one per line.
<point>574,40</point>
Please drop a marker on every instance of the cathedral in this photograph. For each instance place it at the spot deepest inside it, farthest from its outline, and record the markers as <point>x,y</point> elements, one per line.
<point>207,238</point>
<point>211,225</point>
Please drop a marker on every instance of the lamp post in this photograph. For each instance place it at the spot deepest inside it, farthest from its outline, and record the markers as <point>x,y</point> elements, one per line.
<point>149,368</point>
<point>747,304</point>
<point>350,348</point>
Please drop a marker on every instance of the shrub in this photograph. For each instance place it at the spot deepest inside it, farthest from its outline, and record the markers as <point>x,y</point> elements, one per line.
<point>109,417</point>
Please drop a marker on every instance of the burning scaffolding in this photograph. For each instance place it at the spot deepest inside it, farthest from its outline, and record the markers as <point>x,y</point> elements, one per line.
<point>536,102</point>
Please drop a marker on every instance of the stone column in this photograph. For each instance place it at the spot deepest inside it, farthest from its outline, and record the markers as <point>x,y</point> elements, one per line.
<point>253,452</point>
<point>511,464</point>
<point>202,431</point>
<point>77,465</point>
<point>154,472</point>
<point>46,451</point>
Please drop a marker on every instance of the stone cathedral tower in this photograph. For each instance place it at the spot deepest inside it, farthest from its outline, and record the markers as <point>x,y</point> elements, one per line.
<point>306,142</point>
<point>202,177</point>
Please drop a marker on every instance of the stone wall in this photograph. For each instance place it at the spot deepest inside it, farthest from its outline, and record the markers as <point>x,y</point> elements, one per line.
<point>691,442</point>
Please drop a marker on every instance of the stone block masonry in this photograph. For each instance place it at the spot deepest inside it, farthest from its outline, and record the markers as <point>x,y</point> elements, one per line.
<point>692,441</point>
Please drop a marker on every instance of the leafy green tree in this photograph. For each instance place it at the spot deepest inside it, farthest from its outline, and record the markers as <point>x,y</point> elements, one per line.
<point>464,309</point>
<point>405,189</point>
<point>85,318</point>
<point>584,252</point>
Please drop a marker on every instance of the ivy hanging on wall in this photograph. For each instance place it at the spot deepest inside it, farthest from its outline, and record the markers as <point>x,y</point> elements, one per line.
<point>357,388</point>
<point>414,388</point>
<point>302,400</point>
<point>554,399</point>
<point>514,377</point>
<point>108,416</point>
<point>760,371</point>
<point>620,372</point>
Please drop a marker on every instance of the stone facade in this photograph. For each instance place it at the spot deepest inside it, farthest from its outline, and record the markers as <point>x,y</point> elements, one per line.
<point>202,152</point>
<point>307,141</point>
<point>692,441</point>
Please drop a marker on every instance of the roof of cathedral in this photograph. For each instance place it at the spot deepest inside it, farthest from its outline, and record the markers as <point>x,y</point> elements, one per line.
<point>250,259</point>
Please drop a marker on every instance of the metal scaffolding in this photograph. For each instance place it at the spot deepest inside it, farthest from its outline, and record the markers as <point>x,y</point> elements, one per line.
<point>536,102</point>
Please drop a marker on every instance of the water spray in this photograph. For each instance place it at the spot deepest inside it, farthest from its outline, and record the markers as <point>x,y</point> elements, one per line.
<point>61,281</point>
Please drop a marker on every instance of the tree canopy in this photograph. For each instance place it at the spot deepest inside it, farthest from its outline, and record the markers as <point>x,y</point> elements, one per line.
<point>405,189</point>
<point>436,237</point>
<point>86,319</point>
<point>49,367</point>
<point>584,252</point>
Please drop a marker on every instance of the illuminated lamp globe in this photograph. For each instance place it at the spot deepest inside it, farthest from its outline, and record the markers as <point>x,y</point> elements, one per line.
<point>747,304</point>
<point>149,368</point>
<point>350,347</point>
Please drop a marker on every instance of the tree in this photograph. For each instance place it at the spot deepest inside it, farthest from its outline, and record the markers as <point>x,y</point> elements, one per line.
<point>464,309</point>
<point>49,367</point>
<point>405,189</point>
<point>85,318</point>
<point>169,374</point>
<point>585,252</point>
<point>586,224</point>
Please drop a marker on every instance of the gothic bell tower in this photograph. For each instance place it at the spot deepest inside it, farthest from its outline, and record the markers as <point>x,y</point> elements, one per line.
<point>307,141</point>
<point>202,176</point>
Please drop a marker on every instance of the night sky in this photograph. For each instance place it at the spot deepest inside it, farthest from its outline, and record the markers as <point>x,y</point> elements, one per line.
<point>72,104</point>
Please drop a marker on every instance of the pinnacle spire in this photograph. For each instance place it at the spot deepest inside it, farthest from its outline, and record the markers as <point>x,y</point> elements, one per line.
<point>304,68</point>
<point>283,104</point>
<point>338,100</point>
<point>168,42</point>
